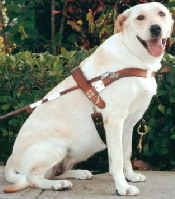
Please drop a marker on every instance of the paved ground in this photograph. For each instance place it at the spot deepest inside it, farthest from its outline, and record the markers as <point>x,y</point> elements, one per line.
<point>159,185</point>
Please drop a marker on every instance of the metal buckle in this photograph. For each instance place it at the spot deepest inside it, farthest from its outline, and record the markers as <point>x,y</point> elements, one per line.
<point>108,74</point>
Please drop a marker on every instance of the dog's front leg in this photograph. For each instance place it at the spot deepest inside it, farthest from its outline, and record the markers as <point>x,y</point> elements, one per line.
<point>114,131</point>
<point>130,175</point>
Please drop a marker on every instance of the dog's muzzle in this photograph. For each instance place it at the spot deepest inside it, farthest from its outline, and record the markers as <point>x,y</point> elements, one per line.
<point>155,46</point>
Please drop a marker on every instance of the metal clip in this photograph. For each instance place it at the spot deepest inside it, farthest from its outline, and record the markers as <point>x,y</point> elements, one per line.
<point>106,74</point>
<point>141,131</point>
<point>109,74</point>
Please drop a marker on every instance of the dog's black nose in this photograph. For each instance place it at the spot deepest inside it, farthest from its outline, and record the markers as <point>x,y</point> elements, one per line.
<point>155,30</point>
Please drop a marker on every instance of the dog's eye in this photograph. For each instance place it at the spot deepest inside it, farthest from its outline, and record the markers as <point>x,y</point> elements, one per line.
<point>161,13</point>
<point>140,17</point>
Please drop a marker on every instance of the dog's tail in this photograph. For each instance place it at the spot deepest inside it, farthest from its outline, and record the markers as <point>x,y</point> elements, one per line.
<point>21,185</point>
<point>19,180</point>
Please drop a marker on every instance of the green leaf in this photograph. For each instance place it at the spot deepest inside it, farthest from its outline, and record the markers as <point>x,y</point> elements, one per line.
<point>5,133</point>
<point>14,8</point>
<point>168,111</point>
<point>5,99</point>
<point>29,24</point>
<point>14,122</point>
<point>172,99</point>
<point>163,151</point>
<point>146,150</point>
<point>161,92</point>
<point>5,107</point>
<point>172,137</point>
<point>21,29</point>
<point>161,108</point>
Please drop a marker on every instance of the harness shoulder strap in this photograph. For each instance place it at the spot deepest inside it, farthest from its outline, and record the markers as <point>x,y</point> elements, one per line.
<point>90,92</point>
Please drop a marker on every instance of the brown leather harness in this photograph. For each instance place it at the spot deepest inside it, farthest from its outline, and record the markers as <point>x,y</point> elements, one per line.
<point>91,91</point>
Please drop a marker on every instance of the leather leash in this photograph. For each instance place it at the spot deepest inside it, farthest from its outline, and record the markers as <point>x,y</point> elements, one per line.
<point>100,83</point>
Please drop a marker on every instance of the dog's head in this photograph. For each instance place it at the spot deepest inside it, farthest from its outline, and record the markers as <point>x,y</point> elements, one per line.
<point>148,26</point>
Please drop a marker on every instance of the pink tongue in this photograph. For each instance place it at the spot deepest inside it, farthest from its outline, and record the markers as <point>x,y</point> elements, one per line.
<point>155,47</point>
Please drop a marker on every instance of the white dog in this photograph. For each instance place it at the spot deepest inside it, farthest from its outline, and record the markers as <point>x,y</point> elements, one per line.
<point>60,133</point>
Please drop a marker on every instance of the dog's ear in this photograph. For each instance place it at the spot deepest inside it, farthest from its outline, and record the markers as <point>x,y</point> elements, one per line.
<point>119,22</point>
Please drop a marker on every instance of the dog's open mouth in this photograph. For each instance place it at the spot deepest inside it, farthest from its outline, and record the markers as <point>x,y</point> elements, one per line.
<point>154,46</point>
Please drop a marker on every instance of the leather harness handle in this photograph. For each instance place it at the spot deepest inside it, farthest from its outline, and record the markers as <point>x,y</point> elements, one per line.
<point>87,88</point>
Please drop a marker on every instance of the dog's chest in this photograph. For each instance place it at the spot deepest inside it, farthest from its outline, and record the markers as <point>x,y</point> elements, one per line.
<point>122,94</point>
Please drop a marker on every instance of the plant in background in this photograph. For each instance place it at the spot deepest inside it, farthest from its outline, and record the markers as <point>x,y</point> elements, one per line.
<point>92,20</point>
<point>41,25</point>
<point>3,20</point>
<point>21,20</point>
<point>29,25</point>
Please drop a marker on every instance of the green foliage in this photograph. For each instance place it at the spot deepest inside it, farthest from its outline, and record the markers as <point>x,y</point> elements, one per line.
<point>29,24</point>
<point>91,21</point>
<point>77,23</point>
<point>21,23</point>
<point>25,78</point>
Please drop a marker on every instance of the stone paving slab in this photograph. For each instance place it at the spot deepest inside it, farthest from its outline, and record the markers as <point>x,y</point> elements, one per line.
<point>159,185</point>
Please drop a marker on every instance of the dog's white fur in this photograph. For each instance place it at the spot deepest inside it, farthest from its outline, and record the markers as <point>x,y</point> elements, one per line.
<point>60,133</point>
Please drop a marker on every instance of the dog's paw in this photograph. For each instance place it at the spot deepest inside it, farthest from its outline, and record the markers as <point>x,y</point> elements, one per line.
<point>76,174</point>
<point>128,190</point>
<point>82,175</point>
<point>135,177</point>
<point>61,185</point>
